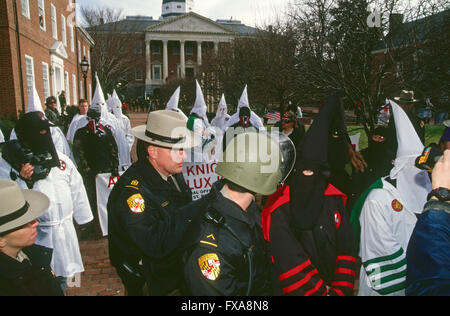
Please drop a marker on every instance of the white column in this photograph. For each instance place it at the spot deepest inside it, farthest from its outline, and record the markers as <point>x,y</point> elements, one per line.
<point>165,61</point>
<point>216,47</point>
<point>199,53</point>
<point>182,60</point>
<point>148,61</point>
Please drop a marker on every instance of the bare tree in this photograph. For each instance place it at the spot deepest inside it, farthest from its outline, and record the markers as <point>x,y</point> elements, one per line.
<point>116,54</point>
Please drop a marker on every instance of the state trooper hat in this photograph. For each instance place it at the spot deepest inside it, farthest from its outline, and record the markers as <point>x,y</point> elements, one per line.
<point>19,207</point>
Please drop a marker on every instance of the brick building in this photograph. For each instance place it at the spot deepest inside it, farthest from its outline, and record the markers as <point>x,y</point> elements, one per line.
<point>39,42</point>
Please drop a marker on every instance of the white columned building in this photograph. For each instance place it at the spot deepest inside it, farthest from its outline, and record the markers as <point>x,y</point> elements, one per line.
<point>175,45</point>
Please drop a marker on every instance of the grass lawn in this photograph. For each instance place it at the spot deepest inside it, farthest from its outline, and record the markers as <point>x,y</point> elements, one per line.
<point>432,134</point>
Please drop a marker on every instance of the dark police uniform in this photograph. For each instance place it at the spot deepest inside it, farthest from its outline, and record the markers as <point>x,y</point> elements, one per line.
<point>31,277</point>
<point>146,225</point>
<point>216,263</point>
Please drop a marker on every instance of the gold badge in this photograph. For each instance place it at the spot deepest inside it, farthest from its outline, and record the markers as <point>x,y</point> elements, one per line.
<point>210,266</point>
<point>136,203</point>
<point>134,182</point>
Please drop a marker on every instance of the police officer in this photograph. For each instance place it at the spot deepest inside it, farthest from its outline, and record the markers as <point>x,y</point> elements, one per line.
<point>227,254</point>
<point>145,220</point>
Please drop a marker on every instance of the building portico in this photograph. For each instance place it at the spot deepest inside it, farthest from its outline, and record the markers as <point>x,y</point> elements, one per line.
<point>180,43</point>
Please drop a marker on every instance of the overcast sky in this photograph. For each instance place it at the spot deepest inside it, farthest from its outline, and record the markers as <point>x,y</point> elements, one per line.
<point>250,12</point>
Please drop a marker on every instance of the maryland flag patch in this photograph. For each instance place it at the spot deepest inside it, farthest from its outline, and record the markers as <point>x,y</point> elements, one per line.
<point>136,203</point>
<point>210,266</point>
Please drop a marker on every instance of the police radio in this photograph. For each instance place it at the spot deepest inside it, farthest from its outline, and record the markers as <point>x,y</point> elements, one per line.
<point>429,158</point>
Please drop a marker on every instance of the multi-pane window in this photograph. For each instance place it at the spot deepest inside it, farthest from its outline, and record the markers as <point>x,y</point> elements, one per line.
<point>72,39</point>
<point>139,74</point>
<point>63,30</point>
<point>41,13</point>
<point>74,89</point>
<point>45,80</point>
<point>54,22</point>
<point>156,50</point>
<point>79,52</point>
<point>189,49</point>
<point>138,47</point>
<point>81,89</point>
<point>29,68</point>
<point>25,8</point>
<point>67,87</point>
<point>156,72</point>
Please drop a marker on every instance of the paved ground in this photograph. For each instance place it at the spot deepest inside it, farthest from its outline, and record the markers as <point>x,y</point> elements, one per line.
<point>100,278</point>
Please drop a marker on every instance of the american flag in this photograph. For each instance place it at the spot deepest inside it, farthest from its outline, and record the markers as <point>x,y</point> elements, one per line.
<point>275,116</point>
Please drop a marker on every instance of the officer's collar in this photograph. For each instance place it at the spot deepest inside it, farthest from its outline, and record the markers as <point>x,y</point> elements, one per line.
<point>230,208</point>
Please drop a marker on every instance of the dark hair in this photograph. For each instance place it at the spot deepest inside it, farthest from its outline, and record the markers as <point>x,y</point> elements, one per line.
<point>141,150</point>
<point>235,187</point>
<point>83,101</point>
<point>50,100</point>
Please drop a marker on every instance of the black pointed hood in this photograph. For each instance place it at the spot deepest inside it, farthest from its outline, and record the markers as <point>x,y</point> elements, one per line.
<point>314,145</point>
<point>307,191</point>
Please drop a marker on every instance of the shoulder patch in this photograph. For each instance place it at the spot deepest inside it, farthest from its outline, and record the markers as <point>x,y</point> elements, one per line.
<point>209,266</point>
<point>397,206</point>
<point>136,203</point>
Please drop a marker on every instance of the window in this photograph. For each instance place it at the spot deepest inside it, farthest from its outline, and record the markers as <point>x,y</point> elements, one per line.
<point>46,80</point>
<point>189,49</point>
<point>176,49</point>
<point>156,69</point>
<point>41,13</point>
<point>25,8</point>
<point>84,51</point>
<point>90,94</point>
<point>79,52</point>
<point>29,68</point>
<point>74,89</point>
<point>67,87</point>
<point>54,22</point>
<point>63,30</point>
<point>139,74</point>
<point>89,56</point>
<point>156,50</point>
<point>138,47</point>
<point>81,89</point>
<point>72,40</point>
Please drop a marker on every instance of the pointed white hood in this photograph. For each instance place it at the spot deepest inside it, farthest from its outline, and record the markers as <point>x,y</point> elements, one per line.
<point>200,107</point>
<point>413,184</point>
<point>222,116</point>
<point>98,100</point>
<point>174,99</point>
<point>255,120</point>
<point>243,101</point>
<point>116,105</point>
<point>223,109</point>
<point>34,102</point>
<point>172,105</point>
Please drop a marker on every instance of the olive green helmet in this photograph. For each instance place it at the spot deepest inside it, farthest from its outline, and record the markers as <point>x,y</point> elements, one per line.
<point>253,161</point>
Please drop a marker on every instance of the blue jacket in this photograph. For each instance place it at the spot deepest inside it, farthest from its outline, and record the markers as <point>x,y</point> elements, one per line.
<point>428,255</point>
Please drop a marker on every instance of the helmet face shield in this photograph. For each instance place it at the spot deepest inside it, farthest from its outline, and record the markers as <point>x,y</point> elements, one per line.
<point>288,156</point>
